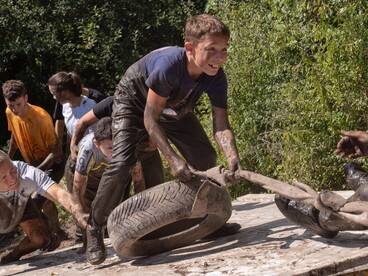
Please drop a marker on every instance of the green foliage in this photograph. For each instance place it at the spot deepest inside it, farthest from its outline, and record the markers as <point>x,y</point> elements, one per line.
<point>298,75</point>
<point>297,69</point>
<point>97,39</point>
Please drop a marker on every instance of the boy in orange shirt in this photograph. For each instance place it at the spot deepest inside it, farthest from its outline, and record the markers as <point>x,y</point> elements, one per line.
<point>32,132</point>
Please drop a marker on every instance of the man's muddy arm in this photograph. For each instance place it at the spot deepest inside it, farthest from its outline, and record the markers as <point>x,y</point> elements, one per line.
<point>63,197</point>
<point>154,107</point>
<point>224,137</point>
<point>79,188</point>
<point>79,130</point>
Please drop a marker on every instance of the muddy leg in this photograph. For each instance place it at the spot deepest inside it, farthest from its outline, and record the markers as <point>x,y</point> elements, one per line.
<point>36,237</point>
<point>332,222</point>
<point>304,215</point>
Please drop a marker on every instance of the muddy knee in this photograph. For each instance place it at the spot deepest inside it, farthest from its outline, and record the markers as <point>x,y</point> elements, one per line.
<point>36,232</point>
<point>40,240</point>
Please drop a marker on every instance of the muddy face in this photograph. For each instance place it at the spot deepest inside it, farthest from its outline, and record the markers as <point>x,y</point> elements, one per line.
<point>9,180</point>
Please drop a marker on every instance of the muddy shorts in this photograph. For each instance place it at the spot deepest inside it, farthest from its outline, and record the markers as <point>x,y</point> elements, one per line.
<point>32,211</point>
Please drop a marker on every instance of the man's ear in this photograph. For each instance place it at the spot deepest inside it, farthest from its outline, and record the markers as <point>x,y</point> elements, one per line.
<point>97,145</point>
<point>188,46</point>
<point>26,97</point>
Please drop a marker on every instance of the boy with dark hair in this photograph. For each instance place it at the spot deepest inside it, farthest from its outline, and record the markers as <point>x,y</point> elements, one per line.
<point>32,133</point>
<point>30,128</point>
<point>94,154</point>
<point>67,89</point>
<point>154,100</point>
<point>148,169</point>
<point>99,111</point>
<point>60,82</point>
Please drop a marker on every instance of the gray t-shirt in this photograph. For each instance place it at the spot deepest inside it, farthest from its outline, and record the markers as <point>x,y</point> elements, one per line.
<point>92,162</point>
<point>90,159</point>
<point>13,203</point>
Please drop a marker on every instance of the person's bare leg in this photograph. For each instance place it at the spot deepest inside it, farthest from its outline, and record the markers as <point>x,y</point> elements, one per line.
<point>36,237</point>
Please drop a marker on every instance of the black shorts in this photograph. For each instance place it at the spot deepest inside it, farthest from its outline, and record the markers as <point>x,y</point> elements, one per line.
<point>32,211</point>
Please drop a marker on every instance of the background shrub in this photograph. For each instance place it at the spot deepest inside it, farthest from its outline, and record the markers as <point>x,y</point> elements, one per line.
<point>298,75</point>
<point>97,39</point>
<point>297,69</point>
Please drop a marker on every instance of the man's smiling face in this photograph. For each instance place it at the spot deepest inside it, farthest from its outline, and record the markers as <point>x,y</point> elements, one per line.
<point>9,180</point>
<point>209,54</point>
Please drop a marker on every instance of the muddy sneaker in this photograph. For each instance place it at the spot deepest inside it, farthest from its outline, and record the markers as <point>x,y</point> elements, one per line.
<point>55,240</point>
<point>227,229</point>
<point>303,215</point>
<point>95,252</point>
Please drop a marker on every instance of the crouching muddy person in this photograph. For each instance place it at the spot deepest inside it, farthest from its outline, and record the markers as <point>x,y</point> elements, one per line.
<point>331,212</point>
<point>18,181</point>
<point>340,214</point>
<point>94,153</point>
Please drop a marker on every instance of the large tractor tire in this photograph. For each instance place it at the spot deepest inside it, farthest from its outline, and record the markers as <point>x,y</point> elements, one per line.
<point>160,219</point>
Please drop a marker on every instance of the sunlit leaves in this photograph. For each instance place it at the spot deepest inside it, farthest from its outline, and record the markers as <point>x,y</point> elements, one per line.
<point>298,75</point>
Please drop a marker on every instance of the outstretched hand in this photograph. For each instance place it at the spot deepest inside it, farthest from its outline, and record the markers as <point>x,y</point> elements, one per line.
<point>354,144</point>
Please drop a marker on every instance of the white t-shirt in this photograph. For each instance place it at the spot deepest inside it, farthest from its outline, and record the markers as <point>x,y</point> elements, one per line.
<point>13,203</point>
<point>72,115</point>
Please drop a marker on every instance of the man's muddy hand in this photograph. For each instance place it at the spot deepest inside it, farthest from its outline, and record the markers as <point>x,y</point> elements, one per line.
<point>81,218</point>
<point>353,145</point>
<point>182,170</point>
<point>234,169</point>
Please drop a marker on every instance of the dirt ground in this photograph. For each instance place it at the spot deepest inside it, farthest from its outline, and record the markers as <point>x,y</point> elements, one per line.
<point>8,241</point>
<point>267,244</point>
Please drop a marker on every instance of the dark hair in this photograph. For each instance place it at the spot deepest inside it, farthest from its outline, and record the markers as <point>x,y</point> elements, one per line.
<point>13,89</point>
<point>197,27</point>
<point>63,81</point>
<point>103,129</point>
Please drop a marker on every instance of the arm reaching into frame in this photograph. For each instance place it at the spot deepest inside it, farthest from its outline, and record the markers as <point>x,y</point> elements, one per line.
<point>353,145</point>
<point>63,197</point>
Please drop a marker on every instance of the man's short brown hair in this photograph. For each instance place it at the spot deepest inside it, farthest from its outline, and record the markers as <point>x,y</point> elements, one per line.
<point>197,27</point>
<point>14,89</point>
<point>103,129</point>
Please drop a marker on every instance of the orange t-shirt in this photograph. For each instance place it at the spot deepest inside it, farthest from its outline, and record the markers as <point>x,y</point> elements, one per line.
<point>34,134</point>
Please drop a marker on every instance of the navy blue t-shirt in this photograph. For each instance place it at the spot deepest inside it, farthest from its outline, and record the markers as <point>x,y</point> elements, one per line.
<point>167,75</point>
<point>165,72</point>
